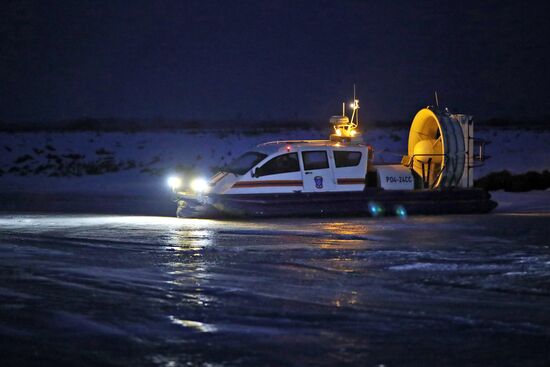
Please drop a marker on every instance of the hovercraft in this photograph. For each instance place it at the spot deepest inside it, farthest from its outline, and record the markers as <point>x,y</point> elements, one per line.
<point>338,176</point>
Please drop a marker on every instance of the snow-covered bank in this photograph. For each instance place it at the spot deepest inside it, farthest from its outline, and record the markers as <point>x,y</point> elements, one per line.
<point>97,168</point>
<point>117,161</point>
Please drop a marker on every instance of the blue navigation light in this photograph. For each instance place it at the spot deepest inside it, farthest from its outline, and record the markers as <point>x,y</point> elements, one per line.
<point>375,209</point>
<point>400,211</point>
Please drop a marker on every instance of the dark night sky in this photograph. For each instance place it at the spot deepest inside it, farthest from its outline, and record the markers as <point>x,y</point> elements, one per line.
<point>271,59</point>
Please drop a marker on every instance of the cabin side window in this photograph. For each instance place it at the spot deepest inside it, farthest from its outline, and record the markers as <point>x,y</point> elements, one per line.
<point>344,158</point>
<point>282,164</point>
<point>315,160</point>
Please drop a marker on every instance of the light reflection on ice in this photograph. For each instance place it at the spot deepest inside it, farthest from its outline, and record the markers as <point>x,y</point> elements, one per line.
<point>196,325</point>
<point>69,221</point>
<point>190,239</point>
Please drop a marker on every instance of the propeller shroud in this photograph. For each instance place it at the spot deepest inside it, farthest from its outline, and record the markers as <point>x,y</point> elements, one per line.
<point>436,147</point>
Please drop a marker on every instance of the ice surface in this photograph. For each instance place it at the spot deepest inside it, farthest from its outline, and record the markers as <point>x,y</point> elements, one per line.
<point>522,202</point>
<point>126,290</point>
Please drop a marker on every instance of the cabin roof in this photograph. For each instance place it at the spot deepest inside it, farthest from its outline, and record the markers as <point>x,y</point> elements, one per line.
<point>274,146</point>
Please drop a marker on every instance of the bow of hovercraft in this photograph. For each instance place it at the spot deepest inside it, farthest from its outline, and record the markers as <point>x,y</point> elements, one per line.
<point>194,197</point>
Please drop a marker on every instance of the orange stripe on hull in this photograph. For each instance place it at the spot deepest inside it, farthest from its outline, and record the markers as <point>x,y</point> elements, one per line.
<point>350,181</point>
<point>273,183</point>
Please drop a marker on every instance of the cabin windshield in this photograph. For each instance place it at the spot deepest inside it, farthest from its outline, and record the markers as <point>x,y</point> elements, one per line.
<point>245,162</point>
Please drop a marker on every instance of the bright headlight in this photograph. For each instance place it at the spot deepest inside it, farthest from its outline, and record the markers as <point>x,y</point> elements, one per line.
<point>174,182</point>
<point>199,185</point>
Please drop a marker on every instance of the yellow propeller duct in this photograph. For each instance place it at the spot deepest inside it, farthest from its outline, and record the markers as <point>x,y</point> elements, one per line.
<point>436,148</point>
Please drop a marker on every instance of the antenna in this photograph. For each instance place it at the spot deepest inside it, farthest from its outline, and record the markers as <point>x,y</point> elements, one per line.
<point>436,100</point>
<point>344,128</point>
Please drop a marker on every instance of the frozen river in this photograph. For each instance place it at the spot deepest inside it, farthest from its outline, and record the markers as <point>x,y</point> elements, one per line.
<point>131,291</point>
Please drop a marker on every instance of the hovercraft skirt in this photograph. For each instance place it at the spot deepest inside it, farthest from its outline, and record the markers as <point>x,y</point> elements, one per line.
<point>385,202</point>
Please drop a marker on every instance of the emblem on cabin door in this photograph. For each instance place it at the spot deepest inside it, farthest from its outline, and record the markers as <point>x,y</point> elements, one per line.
<point>318,182</point>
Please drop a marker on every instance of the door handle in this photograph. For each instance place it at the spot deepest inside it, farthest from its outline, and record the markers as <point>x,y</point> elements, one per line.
<point>308,173</point>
